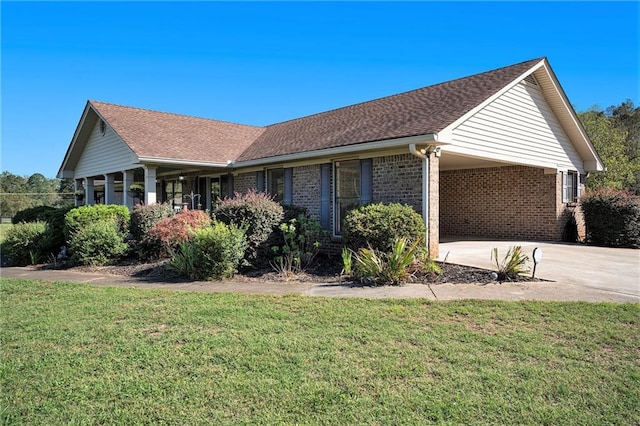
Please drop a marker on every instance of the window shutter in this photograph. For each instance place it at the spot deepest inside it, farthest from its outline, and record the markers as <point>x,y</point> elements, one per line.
<point>260,181</point>
<point>325,196</point>
<point>366,181</point>
<point>565,195</point>
<point>287,197</point>
<point>230,192</point>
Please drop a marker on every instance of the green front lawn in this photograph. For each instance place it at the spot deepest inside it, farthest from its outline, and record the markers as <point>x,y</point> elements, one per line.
<point>73,353</point>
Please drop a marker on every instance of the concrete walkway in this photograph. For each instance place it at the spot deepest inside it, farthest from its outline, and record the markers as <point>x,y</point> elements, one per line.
<point>573,273</point>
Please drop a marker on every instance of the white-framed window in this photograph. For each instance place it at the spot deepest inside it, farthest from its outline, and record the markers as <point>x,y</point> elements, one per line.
<point>570,186</point>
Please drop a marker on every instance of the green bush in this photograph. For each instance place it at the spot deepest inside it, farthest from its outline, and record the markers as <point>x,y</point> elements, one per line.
<point>53,238</point>
<point>145,216</point>
<point>213,252</point>
<point>392,267</point>
<point>255,212</point>
<point>80,217</point>
<point>378,226</point>
<point>33,214</point>
<point>22,243</point>
<point>98,243</point>
<point>612,217</point>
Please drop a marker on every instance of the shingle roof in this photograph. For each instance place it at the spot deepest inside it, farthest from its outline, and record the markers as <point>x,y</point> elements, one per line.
<point>418,112</point>
<point>172,136</point>
<point>422,111</point>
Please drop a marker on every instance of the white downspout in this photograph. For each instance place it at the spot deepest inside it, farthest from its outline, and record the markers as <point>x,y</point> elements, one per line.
<point>425,186</point>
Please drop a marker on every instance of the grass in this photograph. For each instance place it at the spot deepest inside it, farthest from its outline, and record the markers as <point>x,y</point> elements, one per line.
<point>76,354</point>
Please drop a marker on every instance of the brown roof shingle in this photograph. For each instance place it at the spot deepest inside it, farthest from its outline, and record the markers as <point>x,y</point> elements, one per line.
<point>173,136</point>
<point>418,112</point>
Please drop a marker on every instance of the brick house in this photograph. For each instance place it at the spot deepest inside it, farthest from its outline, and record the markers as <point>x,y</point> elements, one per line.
<point>499,154</point>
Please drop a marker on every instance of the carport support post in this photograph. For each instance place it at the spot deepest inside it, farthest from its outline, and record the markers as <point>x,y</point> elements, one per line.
<point>150,185</point>
<point>431,187</point>
<point>109,188</point>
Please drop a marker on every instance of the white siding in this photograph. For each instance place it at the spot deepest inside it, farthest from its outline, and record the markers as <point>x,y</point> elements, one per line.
<point>104,154</point>
<point>518,126</point>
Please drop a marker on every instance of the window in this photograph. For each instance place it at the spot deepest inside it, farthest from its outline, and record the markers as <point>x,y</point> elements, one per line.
<point>352,188</point>
<point>173,193</point>
<point>275,183</point>
<point>570,187</point>
<point>103,127</point>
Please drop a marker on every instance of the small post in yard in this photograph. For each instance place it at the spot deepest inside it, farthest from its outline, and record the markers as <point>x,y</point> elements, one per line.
<point>537,257</point>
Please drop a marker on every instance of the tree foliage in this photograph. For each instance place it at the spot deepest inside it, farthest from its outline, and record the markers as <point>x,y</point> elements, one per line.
<point>615,134</point>
<point>23,192</point>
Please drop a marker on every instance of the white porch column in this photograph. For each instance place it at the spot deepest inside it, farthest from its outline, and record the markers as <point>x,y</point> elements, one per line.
<point>127,180</point>
<point>109,188</point>
<point>77,186</point>
<point>89,196</point>
<point>150,196</point>
<point>207,194</point>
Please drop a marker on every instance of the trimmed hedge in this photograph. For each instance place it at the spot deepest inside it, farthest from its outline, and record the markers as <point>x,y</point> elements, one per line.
<point>53,238</point>
<point>612,217</point>
<point>97,244</point>
<point>80,217</point>
<point>378,225</point>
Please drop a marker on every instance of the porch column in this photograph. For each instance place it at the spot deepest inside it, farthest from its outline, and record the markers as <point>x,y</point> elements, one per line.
<point>127,180</point>
<point>433,198</point>
<point>89,195</point>
<point>77,186</point>
<point>109,188</point>
<point>150,185</point>
<point>207,194</point>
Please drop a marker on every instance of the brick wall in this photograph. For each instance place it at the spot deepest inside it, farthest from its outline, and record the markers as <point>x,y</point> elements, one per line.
<point>501,202</point>
<point>306,189</point>
<point>398,179</point>
<point>242,182</point>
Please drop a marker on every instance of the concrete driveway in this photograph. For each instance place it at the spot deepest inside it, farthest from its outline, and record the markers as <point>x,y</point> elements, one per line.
<point>615,270</point>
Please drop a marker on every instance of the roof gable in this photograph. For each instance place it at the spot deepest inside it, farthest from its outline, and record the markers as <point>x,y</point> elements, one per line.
<point>159,135</point>
<point>418,112</point>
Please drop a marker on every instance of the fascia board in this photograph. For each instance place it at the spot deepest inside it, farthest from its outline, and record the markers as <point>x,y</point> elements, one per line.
<point>74,140</point>
<point>179,162</point>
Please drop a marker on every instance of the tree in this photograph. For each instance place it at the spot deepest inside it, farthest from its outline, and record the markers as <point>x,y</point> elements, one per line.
<point>22,192</point>
<point>615,134</point>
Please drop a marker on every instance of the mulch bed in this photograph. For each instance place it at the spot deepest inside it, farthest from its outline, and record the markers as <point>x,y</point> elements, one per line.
<point>326,270</point>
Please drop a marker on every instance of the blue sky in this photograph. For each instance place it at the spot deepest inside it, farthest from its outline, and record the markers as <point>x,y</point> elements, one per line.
<point>261,63</point>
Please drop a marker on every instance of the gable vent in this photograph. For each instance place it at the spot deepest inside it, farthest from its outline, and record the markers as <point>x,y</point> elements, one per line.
<point>531,80</point>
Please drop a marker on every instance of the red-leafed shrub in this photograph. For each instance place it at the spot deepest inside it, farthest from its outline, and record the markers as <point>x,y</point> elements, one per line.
<point>170,231</point>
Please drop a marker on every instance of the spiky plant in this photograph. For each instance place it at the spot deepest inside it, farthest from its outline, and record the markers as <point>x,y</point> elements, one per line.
<point>512,265</point>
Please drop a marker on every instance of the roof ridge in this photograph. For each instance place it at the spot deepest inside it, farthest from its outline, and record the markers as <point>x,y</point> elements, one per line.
<point>407,91</point>
<point>93,102</point>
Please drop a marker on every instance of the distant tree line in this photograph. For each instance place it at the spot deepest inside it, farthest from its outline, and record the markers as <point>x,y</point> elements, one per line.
<point>615,133</point>
<point>22,192</point>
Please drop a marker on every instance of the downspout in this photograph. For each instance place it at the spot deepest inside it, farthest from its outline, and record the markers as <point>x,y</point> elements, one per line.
<point>421,153</point>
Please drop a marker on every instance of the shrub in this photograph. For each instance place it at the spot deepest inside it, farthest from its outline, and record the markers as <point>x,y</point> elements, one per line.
<point>98,243</point>
<point>512,265</point>
<point>612,217</point>
<point>255,212</point>
<point>80,217</point>
<point>219,251</point>
<point>300,245</point>
<point>145,216</point>
<point>165,236</point>
<point>392,267</point>
<point>22,242</point>
<point>53,238</point>
<point>33,214</point>
<point>379,225</point>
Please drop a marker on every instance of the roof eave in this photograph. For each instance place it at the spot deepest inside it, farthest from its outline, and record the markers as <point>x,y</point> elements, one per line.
<point>182,162</point>
<point>427,139</point>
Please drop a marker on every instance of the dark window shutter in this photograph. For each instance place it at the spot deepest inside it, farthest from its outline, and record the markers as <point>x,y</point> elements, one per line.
<point>260,181</point>
<point>325,196</point>
<point>230,193</point>
<point>287,197</point>
<point>366,181</point>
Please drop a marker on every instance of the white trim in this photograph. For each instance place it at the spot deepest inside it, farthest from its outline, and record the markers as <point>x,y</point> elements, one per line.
<point>341,150</point>
<point>175,161</point>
